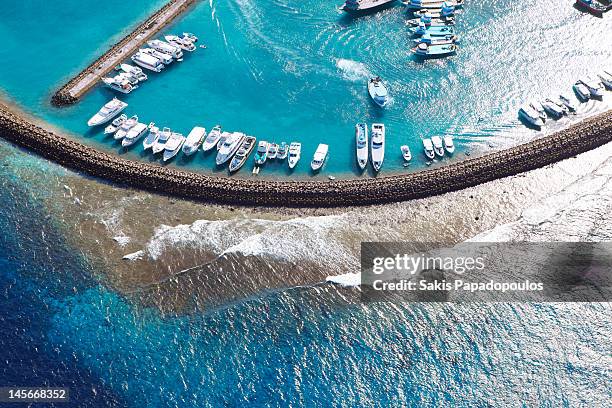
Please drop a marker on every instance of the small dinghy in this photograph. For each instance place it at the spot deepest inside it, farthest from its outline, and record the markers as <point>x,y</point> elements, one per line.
<point>378,92</point>
<point>406,153</point>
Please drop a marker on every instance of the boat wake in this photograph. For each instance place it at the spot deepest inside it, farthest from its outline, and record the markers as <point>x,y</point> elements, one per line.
<point>353,70</point>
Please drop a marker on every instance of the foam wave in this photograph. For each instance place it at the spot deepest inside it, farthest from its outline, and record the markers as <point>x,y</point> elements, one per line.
<point>353,70</point>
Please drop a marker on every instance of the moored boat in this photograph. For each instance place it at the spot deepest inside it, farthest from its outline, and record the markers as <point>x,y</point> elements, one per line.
<point>447,9</point>
<point>182,42</point>
<point>173,146</point>
<point>194,140</point>
<point>224,135</point>
<point>565,100</point>
<point>377,145</point>
<point>594,86</point>
<point>107,112</point>
<point>582,91</point>
<point>537,106</point>
<point>434,40</point>
<point>151,138</point>
<point>428,149</point>
<point>162,139</point>
<point>364,6</point>
<point>433,31</point>
<point>261,155</point>
<point>191,37</point>
<point>119,83</point>
<point>592,7</point>
<point>438,145</point>
<point>166,59</point>
<point>424,50</point>
<point>283,151</point>
<point>449,144</point>
<point>406,153</point>
<point>272,151</point>
<point>125,127</point>
<point>147,61</point>
<point>229,147</point>
<point>134,134</point>
<point>553,108</point>
<point>164,47</point>
<point>212,139</point>
<point>319,157</point>
<point>378,92</point>
<point>242,154</point>
<point>429,21</point>
<point>431,4</point>
<point>136,72</point>
<point>295,151</point>
<point>530,115</point>
<point>361,144</point>
<point>606,79</point>
<point>118,121</point>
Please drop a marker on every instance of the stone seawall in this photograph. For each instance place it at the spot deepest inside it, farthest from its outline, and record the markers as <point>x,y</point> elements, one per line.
<point>576,139</point>
<point>78,85</point>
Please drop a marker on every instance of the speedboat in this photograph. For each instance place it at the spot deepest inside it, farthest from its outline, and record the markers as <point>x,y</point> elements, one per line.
<point>592,7</point>
<point>125,127</point>
<point>594,86</point>
<point>119,83</point>
<point>162,139</point>
<point>107,112</point>
<point>539,108</point>
<point>449,144</point>
<point>567,103</point>
<point>166,59</point>
<point>437,145</point>
<point>361,144</point>
<point>431,4</point>
<point>295,151</point>
<point>378,145</point>
<point>151,138</point>
<point>272,151</point>
<point>428,149</point>
<point>429,21</point>
<point>183,43</point>
<point>424,50</point>
<point>194,140</point>
<point>406,153</point>
<point>212,138</point>
<point>553,109</point>
<point>173,146</point>
<point>433,31</point>
<point>242,154</point>
<point>582,91</point>
<point>319,157</point>
<point>224,135</point>
<point>262,152</point>
<point>191,37</point>
<point>378,92</point>
<point>530,115</point>
<point>134,134</point>
<point>135,71</point>
<point>283,151</point>
<point>112,128</point>
<point>147,61</point>
<point>229,147</point>
<point>447,9</point>
<point>606,79</point>
<point>164,47</point>
<point>435,40</point>
<point>363,6</point>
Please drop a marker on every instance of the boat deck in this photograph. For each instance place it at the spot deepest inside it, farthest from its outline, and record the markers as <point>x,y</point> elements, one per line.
<point>369,4</point>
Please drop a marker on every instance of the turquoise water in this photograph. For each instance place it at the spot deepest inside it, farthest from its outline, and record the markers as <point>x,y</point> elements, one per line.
<point>287,70</point>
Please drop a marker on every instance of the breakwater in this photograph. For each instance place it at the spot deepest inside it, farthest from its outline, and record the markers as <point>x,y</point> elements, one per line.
<point>78,85</point>
<point>576,139</point>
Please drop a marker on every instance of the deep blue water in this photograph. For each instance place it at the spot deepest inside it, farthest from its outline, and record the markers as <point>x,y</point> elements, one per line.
<point>285,70</point>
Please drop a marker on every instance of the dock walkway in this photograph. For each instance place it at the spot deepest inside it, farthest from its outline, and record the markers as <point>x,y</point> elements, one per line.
<point>80,84</point>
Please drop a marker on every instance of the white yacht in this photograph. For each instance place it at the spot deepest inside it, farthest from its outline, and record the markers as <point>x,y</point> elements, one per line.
<point>378,92</point>
<point>378,145</point>
<point>166,59</point>
<point>147,61</point>
<point>437,145</point>
<point>125,127</point>
<point>361,144</point>
<point>134,134</point>
<point>183,43</point>
<point>242,154</point>
<point>134,71</point>
<point>160,143</point>
<point>428,149</point>
<point>229,147</point>
<point>119,83</point>
<point>173,146</point>
<point>449,144</point>
<point>582,91</point>
<point>594,86</point>
<point>606,78</point>
<point>118,121</point>
<point>261,154</point>
<point>406,153</point>
<point>212,139</point>
<point>107,112</point>
<point>194,140</point>
<point>295,150</point>
<point>164,47</point>
<point>531,116</point>
<point>224,135</point>
<point>272,151</point>
<point>319,157</point>
<point>151,137</point>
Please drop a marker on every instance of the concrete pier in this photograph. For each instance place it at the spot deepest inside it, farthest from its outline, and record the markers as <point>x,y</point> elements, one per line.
<point>74,89</point>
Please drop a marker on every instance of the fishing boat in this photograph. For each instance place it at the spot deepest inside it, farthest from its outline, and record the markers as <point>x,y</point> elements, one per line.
<point>224,135</point>
<point>134,134</point>
<point>194,140</point>
<point>435,40</point>
<point>553,108</point>
<point>147,61</point>
<point>378,91</point>
<point>151,138</point>
<point>361,144</point>
<point>431,4</point>
<point>530,115</point>
<point>112,128</point>
<point>125,127</point>
<point>606,79</point>
<point>582,91</point>
<point>537,106</point>
<point>295,151</point>
<point>261,155</point>
<point>212,139</point>
<point>134,71</point>
<point>378,145</point>
<point>429,21</point>
<point>428,149</point>
<point>166,59</point>
<point>164,47</point>
<point>183,43</point>
<point>406,153</point>
<point>229,147</point>
<point>364,6</point>
<point>594,86</point>
<point>319,157</point>
<point>567,103</point>
<point>162,139</point>
<point>438,145</point>
<point>242,154</point>
<point>173,145</point>
<point>283,151</point>
<point>119,83</point>
<point>432,31</point>
<point>107,112</point>
<point>449,144</point>
<point>272,151</point>
<point>592,7</point>
<point>424,50</point>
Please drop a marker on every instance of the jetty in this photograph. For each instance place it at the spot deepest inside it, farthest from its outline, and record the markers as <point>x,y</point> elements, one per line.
<point>80,84</point>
